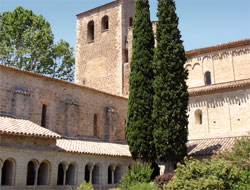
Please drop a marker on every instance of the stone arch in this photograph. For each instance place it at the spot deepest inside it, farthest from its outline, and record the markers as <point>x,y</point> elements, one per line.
<point>118,173</point>
<point>196,65</point>
<point>71,174</point>
<point>32,167</point>
<point>105,23</point>
<point>198,117</point>
<point>96,174</point>
<point>88,172</point>
<point>187,66</point>
<point>110,173</point>
<point>91,31</point>
<point>8,172</point>
<point>44,173</point>
<point>61,173</point>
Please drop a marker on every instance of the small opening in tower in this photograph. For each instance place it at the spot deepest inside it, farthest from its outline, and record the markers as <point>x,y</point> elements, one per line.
<point>91,31</point>
<point>105,23</point>
<point>44,110</point>
<point>208,78</point>
<point>126,56</point>
<point>95,125</point>
<point>131,21</point>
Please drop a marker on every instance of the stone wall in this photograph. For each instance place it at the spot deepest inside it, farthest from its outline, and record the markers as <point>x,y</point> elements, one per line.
<point>221,114</point>
<point>225,64</point>
<point>70,107</point>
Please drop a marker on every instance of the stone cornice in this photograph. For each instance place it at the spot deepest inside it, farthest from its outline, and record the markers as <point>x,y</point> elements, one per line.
<point>98,8</point>
<point>227,45</point>
<point>196,91</point>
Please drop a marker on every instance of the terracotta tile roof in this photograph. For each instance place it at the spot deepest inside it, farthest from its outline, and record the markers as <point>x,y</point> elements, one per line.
<point>218,47</point>
<point>216,87</point>
<point>22,127</point>
<point>90,147</point>
<point>203,147</point>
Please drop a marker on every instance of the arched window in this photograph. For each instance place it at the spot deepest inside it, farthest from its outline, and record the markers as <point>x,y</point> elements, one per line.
<point>43,120</point>
<point>71,175</point>
<point>43,174</point>
<point>60,174</point>
<point>105,23</point>
<point>8,173</point>
<point>131,21</point>
<point>198,117</point>
<point>117,174</point>
<point>96,175</point>
<point>31,173</point>
<point>95,125</point>
<point>91,31</point>
<point>208,78</point>
<point>110,175</point>
<point>87,174</point>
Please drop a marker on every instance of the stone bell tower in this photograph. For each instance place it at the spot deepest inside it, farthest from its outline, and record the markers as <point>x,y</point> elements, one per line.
<point>101,46</point>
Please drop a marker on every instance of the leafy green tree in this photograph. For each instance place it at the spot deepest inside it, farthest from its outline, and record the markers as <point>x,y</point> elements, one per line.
<point>217,174</point>
<point>63,61</point>
<point>170,89</point>
<point>26,42</point>
<point>139,125</point>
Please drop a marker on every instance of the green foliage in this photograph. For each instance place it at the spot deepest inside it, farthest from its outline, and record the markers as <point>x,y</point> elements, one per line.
<point>239,155</point>
<point>143,186</point>
<point>139,123</point>
<point>139,173</point>
<point>170,89</point>
<point>244,183</point>
<point>163,179</point>
<point>26,42</point>
<point>214,174</point>
<point>85,186</point>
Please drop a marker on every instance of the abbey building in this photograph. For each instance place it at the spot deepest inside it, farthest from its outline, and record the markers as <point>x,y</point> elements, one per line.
<point>55,134</point>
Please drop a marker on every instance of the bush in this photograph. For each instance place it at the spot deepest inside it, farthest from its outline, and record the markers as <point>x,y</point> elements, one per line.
<point>244,183</point>
<point>239,155</point>
<point>139,173</point>
<point>85,186</point>
<point>214,174</point>
<point>143,186</point>
<point>163,179</point>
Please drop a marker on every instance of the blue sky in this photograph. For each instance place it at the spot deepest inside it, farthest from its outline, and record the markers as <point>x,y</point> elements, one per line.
<point>202,22</point>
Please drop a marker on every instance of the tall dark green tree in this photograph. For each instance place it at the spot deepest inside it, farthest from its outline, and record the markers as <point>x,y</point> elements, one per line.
<point>27,42</point>
<point>139,125</point>
<point>171,95</point>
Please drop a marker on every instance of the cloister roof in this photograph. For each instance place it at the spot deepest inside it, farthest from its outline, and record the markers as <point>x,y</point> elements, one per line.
<point>203,147</point>
<point>96,148</point>
<point>23,127</point>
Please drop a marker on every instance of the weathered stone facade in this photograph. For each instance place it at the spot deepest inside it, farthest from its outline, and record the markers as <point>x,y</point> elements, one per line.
<point>55,133</point>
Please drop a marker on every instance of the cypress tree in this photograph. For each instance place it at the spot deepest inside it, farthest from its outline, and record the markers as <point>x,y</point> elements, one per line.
<point>171,95</point>
<point>140,104</point>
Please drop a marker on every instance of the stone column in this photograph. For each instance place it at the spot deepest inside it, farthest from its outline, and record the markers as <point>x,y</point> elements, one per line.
<point>90,172</point>
<point>113,174</point>
<point>65,168</point>
<point>36,166</point>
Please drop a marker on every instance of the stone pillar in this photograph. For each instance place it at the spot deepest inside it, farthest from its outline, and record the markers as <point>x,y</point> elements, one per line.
<point>1,165</point>
<point>65,168</point>
<point>90,172</point>
<point>113,174</point>
<point>36,173</point>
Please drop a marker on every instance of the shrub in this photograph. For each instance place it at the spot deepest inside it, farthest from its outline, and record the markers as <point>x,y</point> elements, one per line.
<point>244,183</point>
<point>161,180</point>
<point>214,174</point>
<point>239,155</point>
<point>85,186</point>
<point>143,186</point>
<point>139,173</point>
